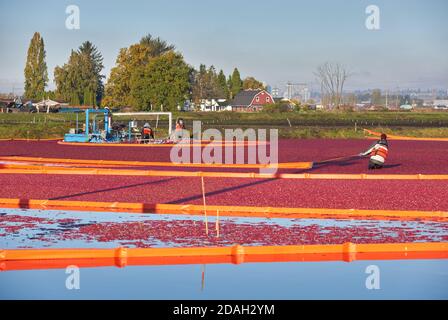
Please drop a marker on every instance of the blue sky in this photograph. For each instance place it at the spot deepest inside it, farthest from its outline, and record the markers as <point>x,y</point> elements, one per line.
<point>275,41</point>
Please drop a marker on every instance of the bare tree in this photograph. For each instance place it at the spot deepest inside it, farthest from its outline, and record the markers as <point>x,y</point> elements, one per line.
<point>332,77</point>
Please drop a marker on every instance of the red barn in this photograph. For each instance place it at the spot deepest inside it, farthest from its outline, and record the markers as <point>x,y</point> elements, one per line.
<point>251,100</point>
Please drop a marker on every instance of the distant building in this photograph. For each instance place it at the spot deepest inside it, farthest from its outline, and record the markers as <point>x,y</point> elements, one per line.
<point>6,105</point>
<point>187,106</point>
<point>305,94</point>
<point>363,105</point>
<point>275,92</point>
<point>214,105</point>
<point>440,104</point>
<point>268,87</point>
<point>297,91</point>
<point>406,107</point>
<point>19,105</point>
<point>251,100</point>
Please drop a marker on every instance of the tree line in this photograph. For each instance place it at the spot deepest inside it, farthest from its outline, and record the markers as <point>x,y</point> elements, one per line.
<point>148,75</point>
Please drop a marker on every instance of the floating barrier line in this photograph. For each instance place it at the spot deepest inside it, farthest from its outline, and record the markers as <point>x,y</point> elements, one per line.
<point>249,175</point>
<point>168,145</point>
<point>227,211</point>
<point>394,137</point>
<point>32,140</point>
<point>238,252</point>
<point>14,265</point>
<point>290,165</point>
<point>33,165</point>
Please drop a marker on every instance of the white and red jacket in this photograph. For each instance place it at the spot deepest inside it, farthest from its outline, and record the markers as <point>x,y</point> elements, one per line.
<point>378,151</point>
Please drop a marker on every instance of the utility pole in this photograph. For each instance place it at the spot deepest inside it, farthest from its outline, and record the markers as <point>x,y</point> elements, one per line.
<point>289,90</point>
<point>387,99</point>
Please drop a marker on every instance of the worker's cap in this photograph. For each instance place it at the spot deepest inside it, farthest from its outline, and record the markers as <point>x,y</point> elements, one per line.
<point>147,125</point>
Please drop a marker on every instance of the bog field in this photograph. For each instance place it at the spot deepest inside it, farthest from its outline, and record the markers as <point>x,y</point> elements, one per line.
<point>126,213</point>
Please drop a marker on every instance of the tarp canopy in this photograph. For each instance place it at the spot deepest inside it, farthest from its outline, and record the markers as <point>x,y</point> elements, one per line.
<point>47,103</point>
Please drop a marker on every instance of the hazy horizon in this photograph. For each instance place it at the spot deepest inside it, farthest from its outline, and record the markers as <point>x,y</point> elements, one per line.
<point>275,42</point>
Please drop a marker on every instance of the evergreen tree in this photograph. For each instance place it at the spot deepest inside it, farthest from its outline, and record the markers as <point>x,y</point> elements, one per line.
<point>91,67</point>
<point>236,83</point>
<point>208,84</point>
<point>229,85</point>
<point>36,74</point>
<point>222,85</point>
<point>200,84</point>
<point>212,83</point>
<point>156,46</point>
<point>79,80</point>
<point>68,80</point>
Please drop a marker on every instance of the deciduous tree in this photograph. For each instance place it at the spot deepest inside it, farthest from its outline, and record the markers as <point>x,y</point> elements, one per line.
<point>164,81</point>
<point>129,61</point>
<point>252,83</point>
<point>332,77</point>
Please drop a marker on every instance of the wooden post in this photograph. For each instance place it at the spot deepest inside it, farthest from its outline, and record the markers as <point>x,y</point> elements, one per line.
<point>217,223</point>
<point>205,205</point>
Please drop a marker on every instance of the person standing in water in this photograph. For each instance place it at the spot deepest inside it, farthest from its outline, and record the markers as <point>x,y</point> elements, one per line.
<point>147,133</point>
<point>179,131</point>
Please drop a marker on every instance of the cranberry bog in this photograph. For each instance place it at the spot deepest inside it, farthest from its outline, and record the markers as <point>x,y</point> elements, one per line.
<point>304,233</point>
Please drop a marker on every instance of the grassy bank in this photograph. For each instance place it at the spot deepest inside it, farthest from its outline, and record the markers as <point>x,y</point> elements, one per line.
<point>322,118</point>
<point>350,133</point>
<point>291,125</point>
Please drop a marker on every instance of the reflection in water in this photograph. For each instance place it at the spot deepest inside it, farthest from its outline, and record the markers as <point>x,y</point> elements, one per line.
<point>408,279</point>
<point>406,275</point>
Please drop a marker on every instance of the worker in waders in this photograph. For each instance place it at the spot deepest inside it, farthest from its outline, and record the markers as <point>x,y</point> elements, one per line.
<point>180,125</point>
<point>147,133</point>
<point>378,153</point>
<point>179,132</point>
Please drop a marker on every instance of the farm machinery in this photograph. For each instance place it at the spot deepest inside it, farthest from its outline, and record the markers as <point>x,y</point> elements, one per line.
<point>102,126</point>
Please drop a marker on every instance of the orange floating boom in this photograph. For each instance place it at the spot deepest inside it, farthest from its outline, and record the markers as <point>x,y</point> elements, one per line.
<point>34,165</point>
<point>290,165</point>
<point>14,265</point>
<point>238,251</point>
<point>394,137</point>
<point>193,144</point>
<point>227,211</point>
<point>31,140</point>
<point>250,175</point>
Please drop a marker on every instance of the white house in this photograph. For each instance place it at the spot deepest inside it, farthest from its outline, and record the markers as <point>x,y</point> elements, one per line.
<point>440,104</point>
<point>214,105</point>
